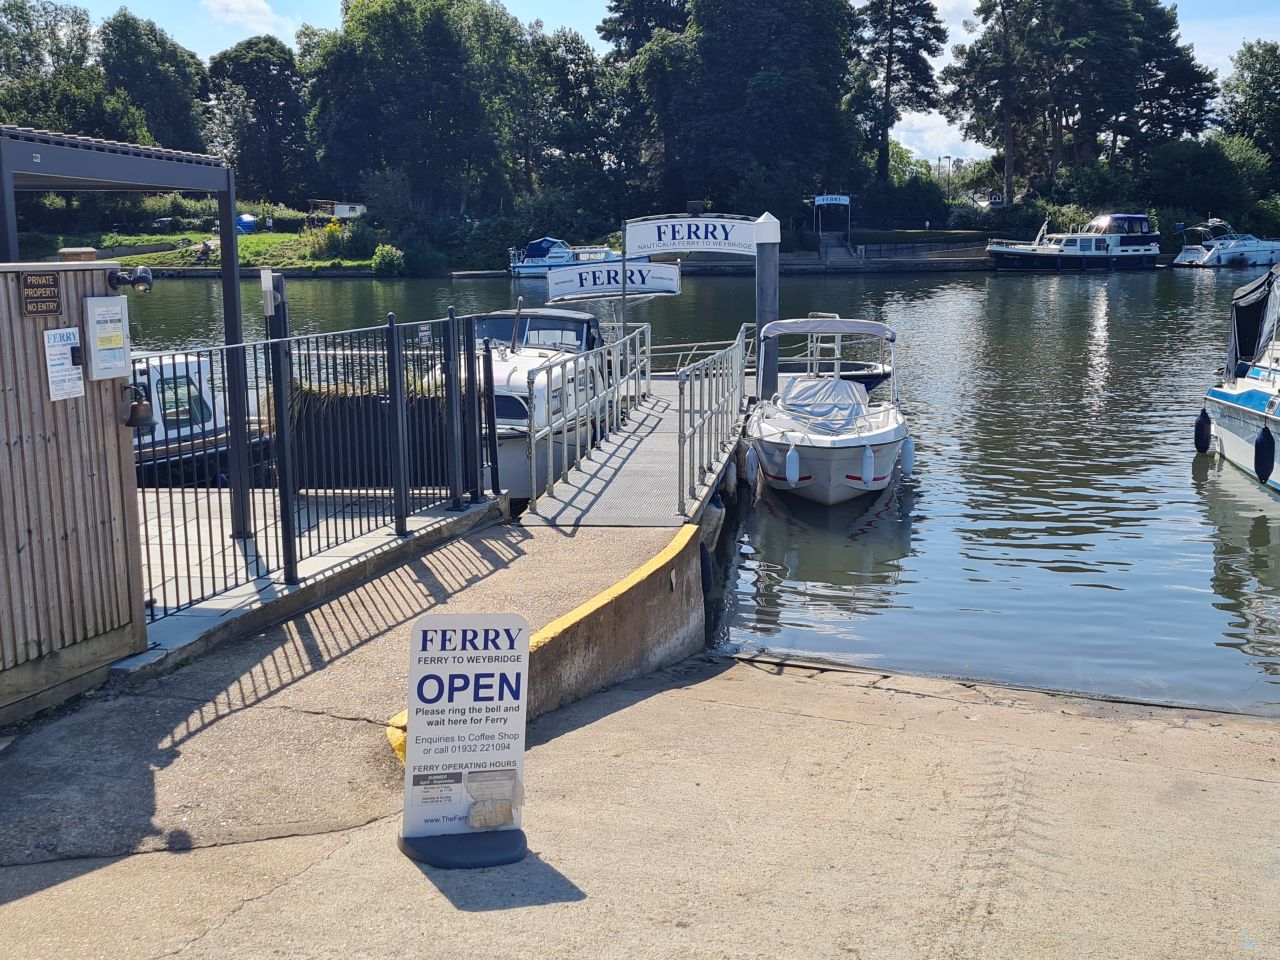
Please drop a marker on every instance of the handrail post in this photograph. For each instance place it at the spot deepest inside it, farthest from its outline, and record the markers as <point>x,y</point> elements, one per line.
<point>282,434</point>
<point>531,436</point>
<point>453,404</point>
<point>680,445</point>
<point>398,401</point>
<point>471,434</point>
<point>491,418</point>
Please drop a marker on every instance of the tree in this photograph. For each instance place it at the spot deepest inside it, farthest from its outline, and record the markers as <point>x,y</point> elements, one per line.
<point>394,89</point>
<point>75,100</point>
<point>1199,175</point>
<point>257,106</point>
<point>632,23</point>
<point>167,81</point>
<point>37,37</point>
<point>897,38</point>
<point>1250,105</point>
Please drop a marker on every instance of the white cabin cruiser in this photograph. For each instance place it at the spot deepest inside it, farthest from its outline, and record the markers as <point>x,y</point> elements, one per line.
<point>822,437</point>
<point>1241,415</point>
<point>1215,243</point>
<point>1118,241</point>
<point>525,341</point>
<point>541,255</point>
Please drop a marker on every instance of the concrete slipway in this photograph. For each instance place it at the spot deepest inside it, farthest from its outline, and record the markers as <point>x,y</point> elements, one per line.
<point>247,805</point>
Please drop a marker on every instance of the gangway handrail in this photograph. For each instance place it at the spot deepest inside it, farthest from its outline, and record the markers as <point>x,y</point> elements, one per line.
<point>711,394</point>
<point>586,396</point>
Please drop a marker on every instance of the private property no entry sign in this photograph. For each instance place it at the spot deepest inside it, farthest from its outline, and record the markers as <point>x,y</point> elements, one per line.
<point>464,754</point>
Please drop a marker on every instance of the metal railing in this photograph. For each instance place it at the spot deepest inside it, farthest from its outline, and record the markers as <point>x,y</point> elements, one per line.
<point>576,402</point>
<point>711,395</point>
<point>349,434</point>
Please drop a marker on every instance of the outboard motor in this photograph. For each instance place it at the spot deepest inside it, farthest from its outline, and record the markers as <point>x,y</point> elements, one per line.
<point>1204,431</point>
<point>1264,454</point>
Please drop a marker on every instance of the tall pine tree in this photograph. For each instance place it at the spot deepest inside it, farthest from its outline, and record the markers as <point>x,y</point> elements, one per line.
<point>897,38</point>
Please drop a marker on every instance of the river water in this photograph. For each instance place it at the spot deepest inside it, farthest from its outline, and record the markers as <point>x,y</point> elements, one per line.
<point>1059,531</point>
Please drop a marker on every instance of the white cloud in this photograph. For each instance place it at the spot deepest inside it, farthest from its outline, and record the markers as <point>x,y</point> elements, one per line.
<point>255,16</point>
<point>931,135</point>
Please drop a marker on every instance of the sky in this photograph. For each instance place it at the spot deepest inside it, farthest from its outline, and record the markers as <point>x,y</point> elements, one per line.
<point>1216,28</point>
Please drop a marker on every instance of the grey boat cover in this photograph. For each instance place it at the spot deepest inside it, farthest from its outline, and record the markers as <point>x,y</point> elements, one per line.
<point>1255,309</point>
<point>829,403</point>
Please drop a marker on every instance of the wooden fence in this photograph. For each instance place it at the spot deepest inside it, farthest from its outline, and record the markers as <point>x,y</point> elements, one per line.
<point>70,571</point>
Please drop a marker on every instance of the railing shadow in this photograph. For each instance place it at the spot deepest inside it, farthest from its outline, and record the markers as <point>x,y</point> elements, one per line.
<point>85,784</point>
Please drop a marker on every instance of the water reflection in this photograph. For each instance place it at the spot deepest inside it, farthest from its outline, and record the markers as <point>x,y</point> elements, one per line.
<point>806,574</point>
<point>1246,559</point>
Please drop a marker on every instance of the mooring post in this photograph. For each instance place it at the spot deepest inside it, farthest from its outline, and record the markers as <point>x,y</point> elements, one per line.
<point>278,329</point>
<point>768,250</point>
<point>399,401</point>
<point>453,407</point>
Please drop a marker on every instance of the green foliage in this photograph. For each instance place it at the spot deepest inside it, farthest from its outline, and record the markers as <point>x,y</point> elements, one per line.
<point>167,81</point>
<point>632,23</point>
<point>258,118</point>
<point>388,261</point>
<point>1200,175</point>
<point>1250,105</point>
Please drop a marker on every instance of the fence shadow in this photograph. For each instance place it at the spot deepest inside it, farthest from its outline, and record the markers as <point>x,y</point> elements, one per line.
<point>86,783</point>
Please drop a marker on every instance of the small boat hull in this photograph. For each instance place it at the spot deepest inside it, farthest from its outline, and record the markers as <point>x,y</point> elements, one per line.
<point>1238,419</point>
<point>829,475</point>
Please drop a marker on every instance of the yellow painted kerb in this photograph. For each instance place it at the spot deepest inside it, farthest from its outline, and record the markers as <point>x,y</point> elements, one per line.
<point>398,725</point>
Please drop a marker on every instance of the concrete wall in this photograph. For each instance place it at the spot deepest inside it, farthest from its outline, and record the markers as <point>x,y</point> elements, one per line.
<point>649,619</point>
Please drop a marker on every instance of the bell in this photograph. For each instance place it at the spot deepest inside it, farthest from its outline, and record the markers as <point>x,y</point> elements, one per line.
<point>140,415</point>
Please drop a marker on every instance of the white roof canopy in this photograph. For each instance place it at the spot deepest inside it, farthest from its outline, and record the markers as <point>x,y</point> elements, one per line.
<point>836,325</point>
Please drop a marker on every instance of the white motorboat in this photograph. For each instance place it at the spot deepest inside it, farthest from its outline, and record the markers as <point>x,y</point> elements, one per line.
<point>542,255</point>
<point>822,437</point>
<point>1118,241</point>
<point>525,341</point>
<point>1241,414</point>
<point>1215,243</point>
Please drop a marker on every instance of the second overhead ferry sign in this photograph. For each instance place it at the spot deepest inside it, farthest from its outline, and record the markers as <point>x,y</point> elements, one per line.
<point>588,280</point>
<point>680,234</point>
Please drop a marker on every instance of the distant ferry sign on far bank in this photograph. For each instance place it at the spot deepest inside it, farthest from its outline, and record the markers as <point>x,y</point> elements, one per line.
<point>690,233</point>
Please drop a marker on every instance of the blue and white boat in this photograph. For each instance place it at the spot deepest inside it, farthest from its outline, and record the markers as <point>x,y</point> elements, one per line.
<point>1241,414</point>
<point>541,255</point>
<point>1117,241</point>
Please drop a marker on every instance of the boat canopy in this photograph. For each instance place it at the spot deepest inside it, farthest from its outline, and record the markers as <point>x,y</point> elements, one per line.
<point>1255,309</point>
<point>835,325</point>
<point>540,248</point>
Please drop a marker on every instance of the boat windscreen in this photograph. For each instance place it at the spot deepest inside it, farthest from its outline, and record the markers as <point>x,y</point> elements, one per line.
<point>1254,312</point>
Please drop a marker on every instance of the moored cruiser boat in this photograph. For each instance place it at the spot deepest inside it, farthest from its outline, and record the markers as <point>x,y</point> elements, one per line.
<point>1241,414</point>
<point>541,255</point>
<point>821,437</point>
<point>1215,243</point>
<point>1118,241</point>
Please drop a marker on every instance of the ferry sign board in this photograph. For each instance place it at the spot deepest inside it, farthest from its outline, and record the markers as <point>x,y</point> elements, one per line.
<point>691,233</point>
<point>464,752</point>
<point>831,200</point>
<point>585,280</point>
<point>41,294</point>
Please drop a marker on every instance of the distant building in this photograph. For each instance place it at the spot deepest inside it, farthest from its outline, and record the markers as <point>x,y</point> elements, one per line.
<point>339,209</point>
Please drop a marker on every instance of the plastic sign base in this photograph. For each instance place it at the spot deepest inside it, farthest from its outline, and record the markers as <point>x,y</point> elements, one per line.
<point>466,851</point>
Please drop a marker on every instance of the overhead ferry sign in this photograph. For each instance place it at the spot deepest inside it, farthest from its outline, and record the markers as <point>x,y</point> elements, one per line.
<point>598,280</point>
<point>680,234</point>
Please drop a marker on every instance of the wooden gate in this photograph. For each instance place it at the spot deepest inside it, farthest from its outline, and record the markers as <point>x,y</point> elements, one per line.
<point>70,570</point>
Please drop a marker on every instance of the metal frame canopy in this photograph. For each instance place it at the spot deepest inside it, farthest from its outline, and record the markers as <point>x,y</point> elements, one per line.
<point>43,161</point>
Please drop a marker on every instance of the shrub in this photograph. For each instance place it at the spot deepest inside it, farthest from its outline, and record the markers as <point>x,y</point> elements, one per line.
<point>388,261</point>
